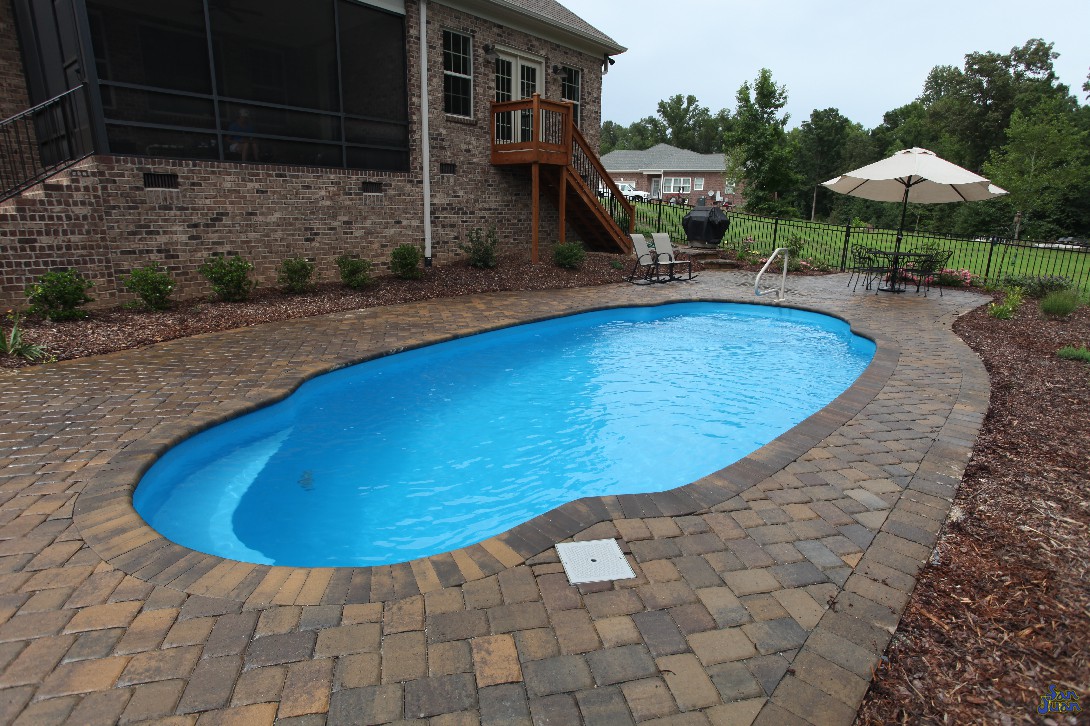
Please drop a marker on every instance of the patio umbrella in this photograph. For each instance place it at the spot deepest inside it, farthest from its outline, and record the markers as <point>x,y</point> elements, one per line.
<point>914,175</point>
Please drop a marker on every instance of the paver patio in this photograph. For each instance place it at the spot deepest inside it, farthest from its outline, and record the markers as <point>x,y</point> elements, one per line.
<point>764,593</point>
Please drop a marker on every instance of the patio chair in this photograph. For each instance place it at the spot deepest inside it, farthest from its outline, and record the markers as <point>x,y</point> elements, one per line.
<point>865,265</point>
<point>647,261</point>
<point>928,266</point>
<point>665,249</point>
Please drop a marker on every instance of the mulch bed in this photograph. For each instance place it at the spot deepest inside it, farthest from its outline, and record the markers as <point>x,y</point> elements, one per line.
<point>1003,611</point>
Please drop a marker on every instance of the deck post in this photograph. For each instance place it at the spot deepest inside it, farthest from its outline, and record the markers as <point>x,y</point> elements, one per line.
<point>535,216</point>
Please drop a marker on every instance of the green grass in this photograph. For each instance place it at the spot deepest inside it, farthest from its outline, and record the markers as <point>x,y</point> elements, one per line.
<point>825,244</point>
<point>1070,352</point>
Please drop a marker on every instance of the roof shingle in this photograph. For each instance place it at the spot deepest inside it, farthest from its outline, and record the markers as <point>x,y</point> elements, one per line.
<point>662,157</point>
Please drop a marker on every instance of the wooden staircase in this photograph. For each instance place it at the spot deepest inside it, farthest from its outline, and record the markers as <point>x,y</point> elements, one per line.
<point>542,135</point>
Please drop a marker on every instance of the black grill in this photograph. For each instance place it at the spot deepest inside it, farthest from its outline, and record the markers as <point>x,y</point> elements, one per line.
<point>706,225</point>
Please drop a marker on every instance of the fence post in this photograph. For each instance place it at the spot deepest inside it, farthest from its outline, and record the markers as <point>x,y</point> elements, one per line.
<point>844,252</point>
<point>775,232</point>
<point>988,265</point>
<point>658,224</point>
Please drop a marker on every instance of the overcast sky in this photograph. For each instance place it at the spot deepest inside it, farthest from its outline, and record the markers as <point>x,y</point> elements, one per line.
<point>863,57</point>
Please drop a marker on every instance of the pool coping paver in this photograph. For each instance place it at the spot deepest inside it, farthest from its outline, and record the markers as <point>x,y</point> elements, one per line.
<point>879,506</point>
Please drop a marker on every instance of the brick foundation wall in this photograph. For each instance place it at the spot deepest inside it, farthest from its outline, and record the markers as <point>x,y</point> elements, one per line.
<point>98,218</point>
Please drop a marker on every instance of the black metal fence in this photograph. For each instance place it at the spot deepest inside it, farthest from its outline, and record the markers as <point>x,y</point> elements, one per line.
<point>43,140</point>
<point>992,259</point>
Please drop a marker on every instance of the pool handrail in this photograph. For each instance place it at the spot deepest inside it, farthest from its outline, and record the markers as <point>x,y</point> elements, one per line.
<point>783,279</point>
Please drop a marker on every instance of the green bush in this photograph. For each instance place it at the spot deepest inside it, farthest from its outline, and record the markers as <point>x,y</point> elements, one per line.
<point>12,343</point>
<point>294,274</point>
<point>152,284</point>
<point>1070,352</point>
<point>405,262</point>
<point>1060,303</point>
<point>229,276</point>
<point>355,273</point>
<point>481,249</point>
<point>569,255</point>
<point>1037,287</point>
<point>58,295</point>
<point>1006,309</point>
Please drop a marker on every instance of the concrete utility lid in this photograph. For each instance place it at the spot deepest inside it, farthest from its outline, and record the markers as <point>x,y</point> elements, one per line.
<point>594,561</point>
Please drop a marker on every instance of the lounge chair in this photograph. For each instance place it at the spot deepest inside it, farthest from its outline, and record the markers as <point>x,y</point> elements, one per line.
<point>646,267</point>
<point>665,249</point>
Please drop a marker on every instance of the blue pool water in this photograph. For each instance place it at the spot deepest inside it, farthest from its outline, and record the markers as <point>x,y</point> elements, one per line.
<point>441,447</point>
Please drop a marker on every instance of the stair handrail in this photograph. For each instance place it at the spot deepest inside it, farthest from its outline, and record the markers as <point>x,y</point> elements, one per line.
<point>580,141</point>
<point>783,278</point>
<point>35,144</point>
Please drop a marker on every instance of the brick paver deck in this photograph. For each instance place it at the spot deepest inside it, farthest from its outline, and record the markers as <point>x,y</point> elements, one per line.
<point>764,593</point>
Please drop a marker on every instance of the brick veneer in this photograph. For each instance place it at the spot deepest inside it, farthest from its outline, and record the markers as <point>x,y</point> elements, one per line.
<point>99,218</point>
<point>13,93</point>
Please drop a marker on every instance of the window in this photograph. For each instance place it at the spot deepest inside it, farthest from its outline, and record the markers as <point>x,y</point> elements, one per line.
<point>570,90</point>
<point>698,184</point>
<point>676,185</point>
<point>457,74</point>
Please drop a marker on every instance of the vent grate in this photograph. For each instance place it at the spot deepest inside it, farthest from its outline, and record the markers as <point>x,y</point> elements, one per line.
<point>371,187</point>
<point>160,181</point>
<point>594,561</point>
<point>448,168</point>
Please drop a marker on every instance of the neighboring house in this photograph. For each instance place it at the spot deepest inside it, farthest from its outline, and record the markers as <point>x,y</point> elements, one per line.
<point>667,172</point>
<point>281,128</point>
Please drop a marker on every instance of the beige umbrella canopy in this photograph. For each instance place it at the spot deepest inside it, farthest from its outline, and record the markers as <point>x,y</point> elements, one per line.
<point>914,175</point>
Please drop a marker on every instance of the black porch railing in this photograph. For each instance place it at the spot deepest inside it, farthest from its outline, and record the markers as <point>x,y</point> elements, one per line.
<point>44,140</point>
<point>991,258</point>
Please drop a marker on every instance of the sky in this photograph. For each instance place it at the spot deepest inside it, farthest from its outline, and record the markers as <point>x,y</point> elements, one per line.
<point>863,57</point>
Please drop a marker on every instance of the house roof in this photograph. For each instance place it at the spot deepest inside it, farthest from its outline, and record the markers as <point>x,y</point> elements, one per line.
<point>662,157</point>
<point>543,15</point>
<point>556,14</point>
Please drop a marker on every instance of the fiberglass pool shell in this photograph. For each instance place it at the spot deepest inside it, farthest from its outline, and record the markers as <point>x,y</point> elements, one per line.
<point>425,450</point>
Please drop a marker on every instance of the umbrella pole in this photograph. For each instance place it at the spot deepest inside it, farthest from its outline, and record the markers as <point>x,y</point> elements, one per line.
<point>897,245</point>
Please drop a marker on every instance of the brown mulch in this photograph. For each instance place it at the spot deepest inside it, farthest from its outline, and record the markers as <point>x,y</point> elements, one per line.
<point>1003,611</point>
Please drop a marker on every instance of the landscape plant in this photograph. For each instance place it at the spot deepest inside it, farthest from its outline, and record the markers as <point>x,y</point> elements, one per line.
<point>355,273</point>
<point>1006,309</point>
<point>405,262</point>
<point>1060,303</point>
<point>58,295</point>
<point>481,248</point>
<point>229,277</point>
<point>12,343</point>
<point>1037,287</point>
<point>569,255</point>
<point>1070,352</point>
<point>152,284</point>
<point>294,275</point>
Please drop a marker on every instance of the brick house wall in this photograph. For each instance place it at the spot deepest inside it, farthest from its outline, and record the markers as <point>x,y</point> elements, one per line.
<point>13,93</point>
<point>713,181</point>
<point>98,218</point>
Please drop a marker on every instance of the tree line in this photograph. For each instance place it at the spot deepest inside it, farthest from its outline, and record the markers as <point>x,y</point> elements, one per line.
<point>1005,116</point>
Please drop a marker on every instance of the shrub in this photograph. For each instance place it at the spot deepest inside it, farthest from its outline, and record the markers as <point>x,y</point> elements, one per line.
<point>58,294</point>
<point>405,262</point>
<point>294,274</point>
<point>1037,287</point>
<point>229,276</point>
<point>355,273</point>
<point>1006,309</point>
<point>152,284</point>
<point>481,249</point>
<point>569,255</point>
<point>1060,303</point>
<point>1070,352</point>
<point>12,343</point>
<point>953,278</point>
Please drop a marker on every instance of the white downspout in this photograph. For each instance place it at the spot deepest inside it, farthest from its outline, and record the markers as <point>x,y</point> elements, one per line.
<point>425,142</point>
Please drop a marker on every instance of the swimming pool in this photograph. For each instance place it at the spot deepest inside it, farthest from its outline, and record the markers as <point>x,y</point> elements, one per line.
<point>428,450</point>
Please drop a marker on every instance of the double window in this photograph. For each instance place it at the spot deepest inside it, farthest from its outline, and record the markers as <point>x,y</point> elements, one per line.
<point>457,74</point>
<point>676,185</point>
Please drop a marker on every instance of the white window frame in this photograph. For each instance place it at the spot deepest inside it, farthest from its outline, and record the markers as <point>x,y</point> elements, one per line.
<point>577,83</point>
<point>676,185</point>
<point>698,184</point>
<point>453,74</point>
